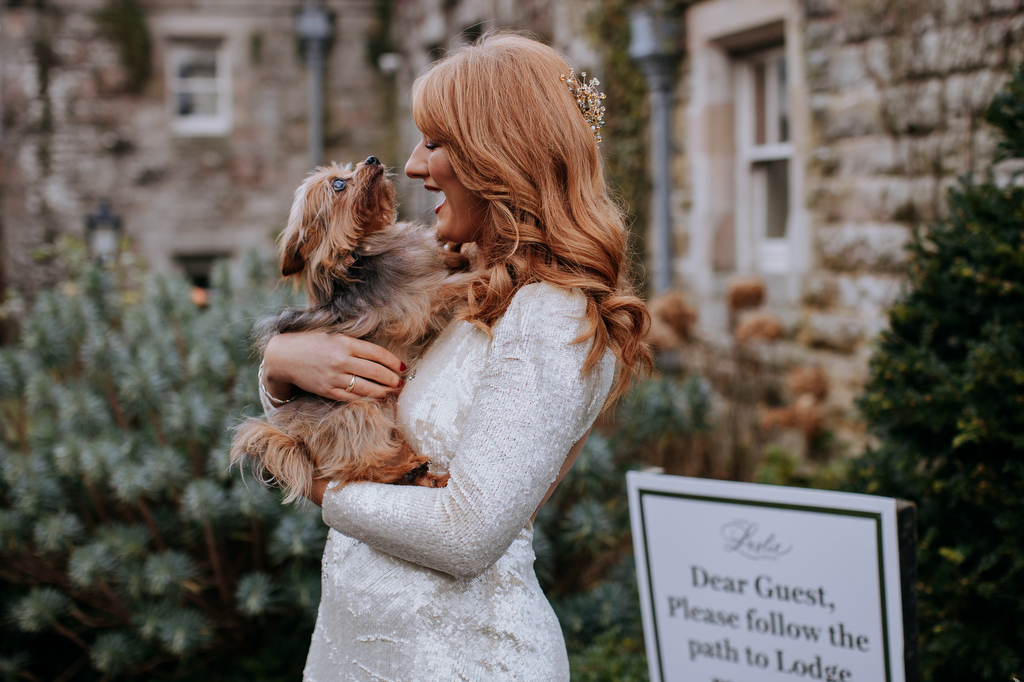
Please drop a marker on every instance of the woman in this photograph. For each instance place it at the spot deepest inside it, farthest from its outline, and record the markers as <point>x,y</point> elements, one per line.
<point>438,584</point>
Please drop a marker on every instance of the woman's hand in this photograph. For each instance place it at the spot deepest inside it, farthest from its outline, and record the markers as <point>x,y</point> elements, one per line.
<point>325,364</point>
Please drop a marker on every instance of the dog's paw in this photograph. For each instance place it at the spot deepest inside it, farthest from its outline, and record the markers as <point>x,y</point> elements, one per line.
<point>416,473</point>
<point>429,480</point>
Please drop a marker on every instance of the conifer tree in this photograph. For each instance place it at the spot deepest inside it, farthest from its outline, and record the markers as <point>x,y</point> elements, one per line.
<point>946,399</point>
<point>128,548</point>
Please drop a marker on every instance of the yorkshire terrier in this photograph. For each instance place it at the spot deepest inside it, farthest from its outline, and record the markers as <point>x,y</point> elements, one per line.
<point>368,277</point>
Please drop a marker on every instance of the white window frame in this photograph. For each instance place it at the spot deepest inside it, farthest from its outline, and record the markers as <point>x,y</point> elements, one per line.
<point>218,124</point>
<point>755,249</point>
<point>720,240</point>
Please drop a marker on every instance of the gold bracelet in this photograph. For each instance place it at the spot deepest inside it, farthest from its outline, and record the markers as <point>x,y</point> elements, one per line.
<point>276,402</point>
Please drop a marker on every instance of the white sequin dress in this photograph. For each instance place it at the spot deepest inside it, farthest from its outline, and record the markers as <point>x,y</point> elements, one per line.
<point>438,583</point>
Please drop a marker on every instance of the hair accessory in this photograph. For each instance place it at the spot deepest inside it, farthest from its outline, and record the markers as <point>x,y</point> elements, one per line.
<point>588,99</point>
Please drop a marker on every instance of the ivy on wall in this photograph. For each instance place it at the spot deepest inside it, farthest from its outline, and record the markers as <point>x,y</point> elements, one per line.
<point>123,23</point>
<point>625,133</point>
<point>625,130</point>
<point>379,39</point>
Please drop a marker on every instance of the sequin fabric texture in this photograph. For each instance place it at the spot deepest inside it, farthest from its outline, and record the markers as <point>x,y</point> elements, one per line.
<point>438,583</point>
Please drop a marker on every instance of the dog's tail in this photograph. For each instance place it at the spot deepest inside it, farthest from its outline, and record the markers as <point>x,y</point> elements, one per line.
<point>278,458</point>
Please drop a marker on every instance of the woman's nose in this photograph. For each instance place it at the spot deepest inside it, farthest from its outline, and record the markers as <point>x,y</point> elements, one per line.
<point>416,166</point>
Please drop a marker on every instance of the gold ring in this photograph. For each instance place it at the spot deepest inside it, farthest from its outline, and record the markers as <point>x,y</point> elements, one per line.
<point>351,383</point>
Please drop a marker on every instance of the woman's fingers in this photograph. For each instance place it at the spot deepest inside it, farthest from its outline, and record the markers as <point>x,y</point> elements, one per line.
<point>361,388</point>
<point>376,354</point>
<point>325,364</point>
<point>371,372</point>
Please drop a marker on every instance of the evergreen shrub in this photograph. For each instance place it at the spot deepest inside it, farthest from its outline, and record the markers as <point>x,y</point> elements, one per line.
<point>946,400</point>
<point>128,549</point>
<point>127,546</point>
<point>582,535</point>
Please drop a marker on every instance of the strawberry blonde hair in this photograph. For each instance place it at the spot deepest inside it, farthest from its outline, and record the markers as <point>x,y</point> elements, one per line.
<point>515,136</point>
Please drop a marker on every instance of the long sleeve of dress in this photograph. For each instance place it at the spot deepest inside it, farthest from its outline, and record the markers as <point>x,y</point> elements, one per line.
<point>532,404</point>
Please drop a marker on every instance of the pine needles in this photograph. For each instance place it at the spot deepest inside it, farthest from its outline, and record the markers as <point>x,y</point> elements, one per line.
<point>124,537</point>
<point>946,399</point>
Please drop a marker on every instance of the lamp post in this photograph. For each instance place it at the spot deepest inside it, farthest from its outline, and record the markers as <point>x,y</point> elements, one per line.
<point>653,38</point>
<point>314,28</point>
<point>103,233</point>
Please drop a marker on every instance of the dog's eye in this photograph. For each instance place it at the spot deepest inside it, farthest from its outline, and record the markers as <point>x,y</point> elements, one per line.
<point>338,184</point>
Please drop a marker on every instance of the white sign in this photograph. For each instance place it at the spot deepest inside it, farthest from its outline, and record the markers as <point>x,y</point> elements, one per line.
<point>742,582</point>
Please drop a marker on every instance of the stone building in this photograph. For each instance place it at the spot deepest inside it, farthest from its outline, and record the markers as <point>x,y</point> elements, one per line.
<point>81,125</point>
<point>811,137</point>
<point>200,152</point>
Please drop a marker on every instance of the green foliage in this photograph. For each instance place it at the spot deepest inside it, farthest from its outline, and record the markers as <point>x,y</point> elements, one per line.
<point>582,534</point>
<point>779,467</point>
<point>1006,113</point>
<point>670,408</point>
<point>123,23</point>
<point>582,542</point>
<point>625,132</point>
<point>124,535</point>
<point>946,397</point>
<point>379,39</point>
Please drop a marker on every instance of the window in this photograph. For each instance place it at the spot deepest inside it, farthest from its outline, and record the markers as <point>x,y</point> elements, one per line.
<point>746,119</point>
<point>764,157</point>
<point>199,87</point>
<point>199,267</point>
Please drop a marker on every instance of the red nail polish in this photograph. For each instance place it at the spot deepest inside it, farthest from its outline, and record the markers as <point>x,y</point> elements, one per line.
<point>401,382</point>
<point>404,367</point>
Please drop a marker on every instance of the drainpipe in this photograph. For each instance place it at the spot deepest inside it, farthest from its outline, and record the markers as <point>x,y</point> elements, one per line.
<point>653,38</point>
<point>314,28</point>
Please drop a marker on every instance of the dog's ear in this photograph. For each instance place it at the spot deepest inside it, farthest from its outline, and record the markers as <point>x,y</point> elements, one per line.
<point>301,236</point>
<point>296,250</point>
<point>291,259</point>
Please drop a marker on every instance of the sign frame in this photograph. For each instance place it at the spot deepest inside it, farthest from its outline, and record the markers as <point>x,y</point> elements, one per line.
<point>895,535</point>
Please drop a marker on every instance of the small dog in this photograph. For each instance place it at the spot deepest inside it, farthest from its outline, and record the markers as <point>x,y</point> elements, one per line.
<point>369,277</point>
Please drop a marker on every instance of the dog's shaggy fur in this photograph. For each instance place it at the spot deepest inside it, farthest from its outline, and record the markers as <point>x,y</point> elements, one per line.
<point>366,277</point>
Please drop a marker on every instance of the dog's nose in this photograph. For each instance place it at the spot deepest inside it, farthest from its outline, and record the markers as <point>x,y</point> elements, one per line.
<point>372,161</point>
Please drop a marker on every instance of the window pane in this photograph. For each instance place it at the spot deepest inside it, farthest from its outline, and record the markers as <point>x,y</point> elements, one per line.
<point>198,85</point>
<point>760,104</point>
<point>777,198</point>
<point>197,104</point>
<point>197,61</point>
<point>783,97</point>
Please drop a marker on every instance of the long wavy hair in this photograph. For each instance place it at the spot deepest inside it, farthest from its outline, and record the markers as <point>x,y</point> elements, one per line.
<point>515,136</point>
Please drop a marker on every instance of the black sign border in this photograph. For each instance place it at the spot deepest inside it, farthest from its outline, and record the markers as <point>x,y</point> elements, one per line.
<point>774,505</point>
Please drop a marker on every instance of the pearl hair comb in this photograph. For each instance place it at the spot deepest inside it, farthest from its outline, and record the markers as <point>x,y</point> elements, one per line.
<point>588,99</point>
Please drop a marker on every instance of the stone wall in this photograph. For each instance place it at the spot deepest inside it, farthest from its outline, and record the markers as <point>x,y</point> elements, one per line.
<point>897,92</point>
<point>73,132</point>
<point>894,91</point>
<point>891,95</point>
